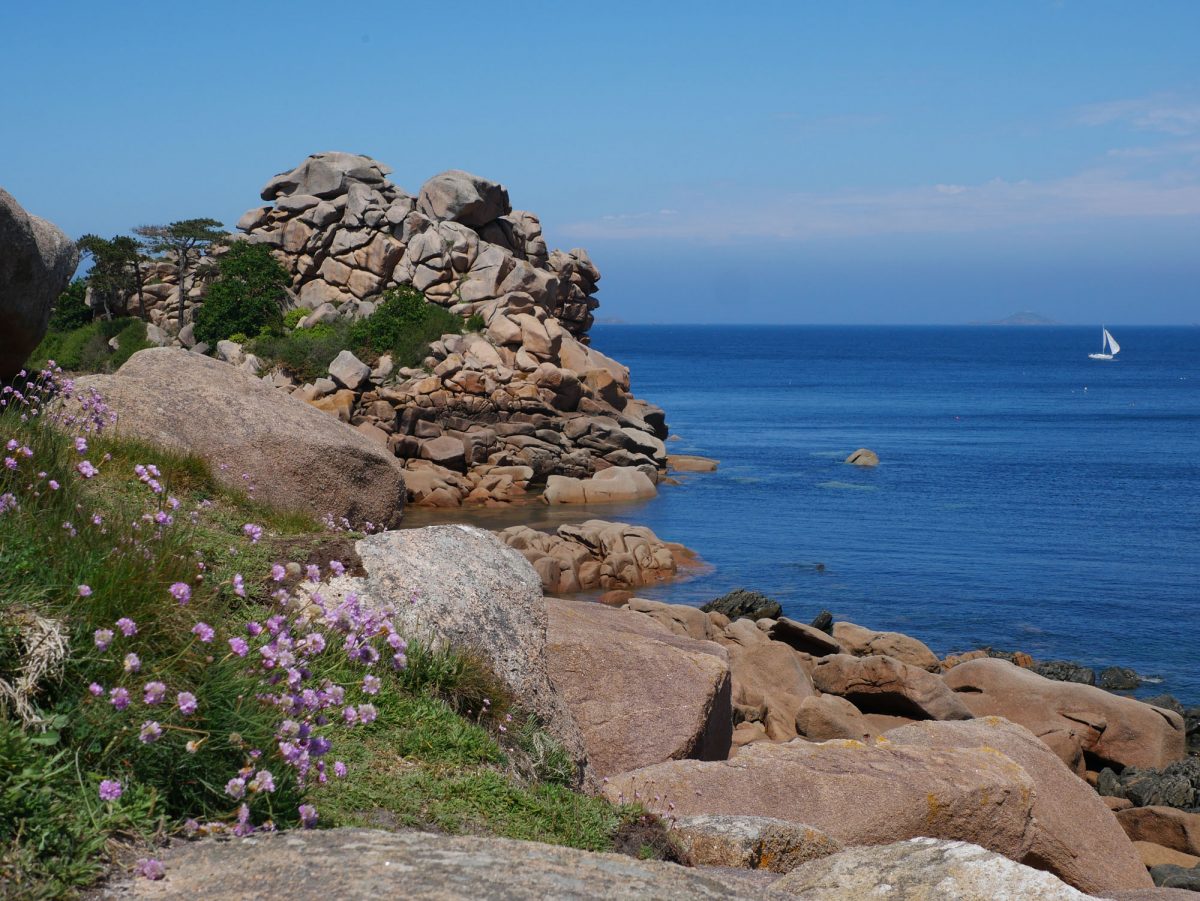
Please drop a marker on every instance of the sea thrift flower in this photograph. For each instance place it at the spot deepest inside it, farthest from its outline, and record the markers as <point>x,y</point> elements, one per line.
<point>103,638</point>
<point>132,663</point>
<point>86,469</point>
<point>239,585</point>
<point>96,689</point>
<point>278,572</point>
<point>149,868</point>
<point>153,692</point>
<point>253,532</point>
<point>254,628</point>
<point>236,788</point>
<point>239,646</point>
<point>54,486</point>
<point>110,790</point>
<point>81,445</point>
<point>313,573</point>
<point>336,567</point>
<point>263,782</point>
<point>119,698</point>
<point>370,685</point>
<point>150,732</point>
<point>339,769</point>
<point>181,592</point>
<point>308,816</point>
<point>85,591</point>
<point>187,703</point>
<point>192,746</point>
<point>127,626</point>
<point>203,631</point>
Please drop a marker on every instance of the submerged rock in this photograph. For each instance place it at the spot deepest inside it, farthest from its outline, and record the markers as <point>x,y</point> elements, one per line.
<point>1066,671</point>
<point>1119,678</point>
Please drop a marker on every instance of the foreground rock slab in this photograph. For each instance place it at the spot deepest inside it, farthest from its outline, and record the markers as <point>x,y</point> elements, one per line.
<point>320,865</point>
<point>639,693</point>
<point>297,457</point>
<point>1072,719</point>
<point>856,793</point>
<point>36,262</point>
<point>1074,835</point>
<point>923,869</point>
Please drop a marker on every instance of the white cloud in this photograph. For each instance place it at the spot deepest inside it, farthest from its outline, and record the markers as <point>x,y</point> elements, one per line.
<point>1160,113</point>
<point>939,208</point>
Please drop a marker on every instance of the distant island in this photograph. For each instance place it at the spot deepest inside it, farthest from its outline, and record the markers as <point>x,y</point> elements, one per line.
<point>1025,317</point>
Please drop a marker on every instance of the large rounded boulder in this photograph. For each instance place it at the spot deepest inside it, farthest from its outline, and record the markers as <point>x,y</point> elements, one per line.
<point>295,456</point>
<point>36,262</point>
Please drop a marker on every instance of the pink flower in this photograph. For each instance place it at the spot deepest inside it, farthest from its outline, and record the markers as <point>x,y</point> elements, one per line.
<point>337,567</point>
<point>85,591</point>
<point>103,638</point>
<point>181,592</point>
<point>127,626</point>
<point>187,703</point>
<point>81,445</point>
<point>313,573</point>
<point>308,816</point>
<point>153,692</point>
<point>149,868</point>
<point>203,631</point>
<point>96,689</point>
<point>239,585</point>
<point>119,698</point>
<point>278,572</point>
<point>236,788</point>
<point>339,769</point>
<point>110,790</point>
<point>253,532</point>
<point>263,782</point>
<point>86,469</point>
<point>150,732</point>
<point>239,646</point>
<point>370,684</point>
<point>132,663</point>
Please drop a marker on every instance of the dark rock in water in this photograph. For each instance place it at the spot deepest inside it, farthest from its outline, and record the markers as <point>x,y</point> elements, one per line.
<point>1119,678</point>
<point>1177,785</point>
<point>1168,875</point>
<point>1066,671</point>
<point>1168,702</point>
<point>741,602</point>
<point>823,621</point>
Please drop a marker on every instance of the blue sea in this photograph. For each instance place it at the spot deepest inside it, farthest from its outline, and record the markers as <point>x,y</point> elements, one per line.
<point>1027,498</point>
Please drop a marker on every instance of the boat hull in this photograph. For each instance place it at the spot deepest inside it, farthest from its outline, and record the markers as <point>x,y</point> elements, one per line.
<point>1100,356</point>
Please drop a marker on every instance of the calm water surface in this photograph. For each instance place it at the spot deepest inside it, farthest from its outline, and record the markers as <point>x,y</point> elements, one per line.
<point>1028,497</point>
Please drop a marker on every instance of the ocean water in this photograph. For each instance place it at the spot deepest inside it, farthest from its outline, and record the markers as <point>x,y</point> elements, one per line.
<point>1028,498</point>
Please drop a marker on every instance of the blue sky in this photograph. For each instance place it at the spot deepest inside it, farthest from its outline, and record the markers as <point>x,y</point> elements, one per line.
<point>785,162</point>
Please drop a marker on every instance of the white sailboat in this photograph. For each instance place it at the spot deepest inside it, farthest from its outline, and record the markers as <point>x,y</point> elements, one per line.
<point>1109,347</point>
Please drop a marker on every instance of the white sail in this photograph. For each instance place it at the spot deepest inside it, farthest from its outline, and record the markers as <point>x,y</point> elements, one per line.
<point>1113,346</point>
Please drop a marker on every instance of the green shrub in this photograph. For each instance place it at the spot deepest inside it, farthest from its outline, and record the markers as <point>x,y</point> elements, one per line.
<point>403,325</point>
<point>71,309</point>
<point>247,296</point>
<point>86,349</point>
<point>305,352</point>
<point>475,323</point>
<point>293,318</point>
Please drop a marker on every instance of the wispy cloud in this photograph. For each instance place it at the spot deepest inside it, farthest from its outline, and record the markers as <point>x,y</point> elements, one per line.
<point>937,208</point>
<point>1160,113</point>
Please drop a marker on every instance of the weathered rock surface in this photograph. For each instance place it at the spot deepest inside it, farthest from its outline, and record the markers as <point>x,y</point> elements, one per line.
<point>691,463</point>
<point>770,680</point>
<point>1175,785</point>
<point>1153,855</point>
<point>36,263</point>
<point>318,865</point>
<point>1074,835</point>
<point>297,457</point>
<point>858,794</point>
<point>1165,826</point>
<point>804,638</point>
<point>639,693</point>
<point>863,642</point>
<point>1072,719</point>
<point>885,685</point>
<point>461,586</point>
<point>828,716</point>
<point>618,483</point>
<point>752,843</point>
<point>923,869</point>
<point>595,554</point>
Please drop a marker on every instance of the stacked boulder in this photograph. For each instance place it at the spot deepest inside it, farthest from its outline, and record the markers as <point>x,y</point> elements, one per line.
<point>596,554</point>
<point>492,412</point>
